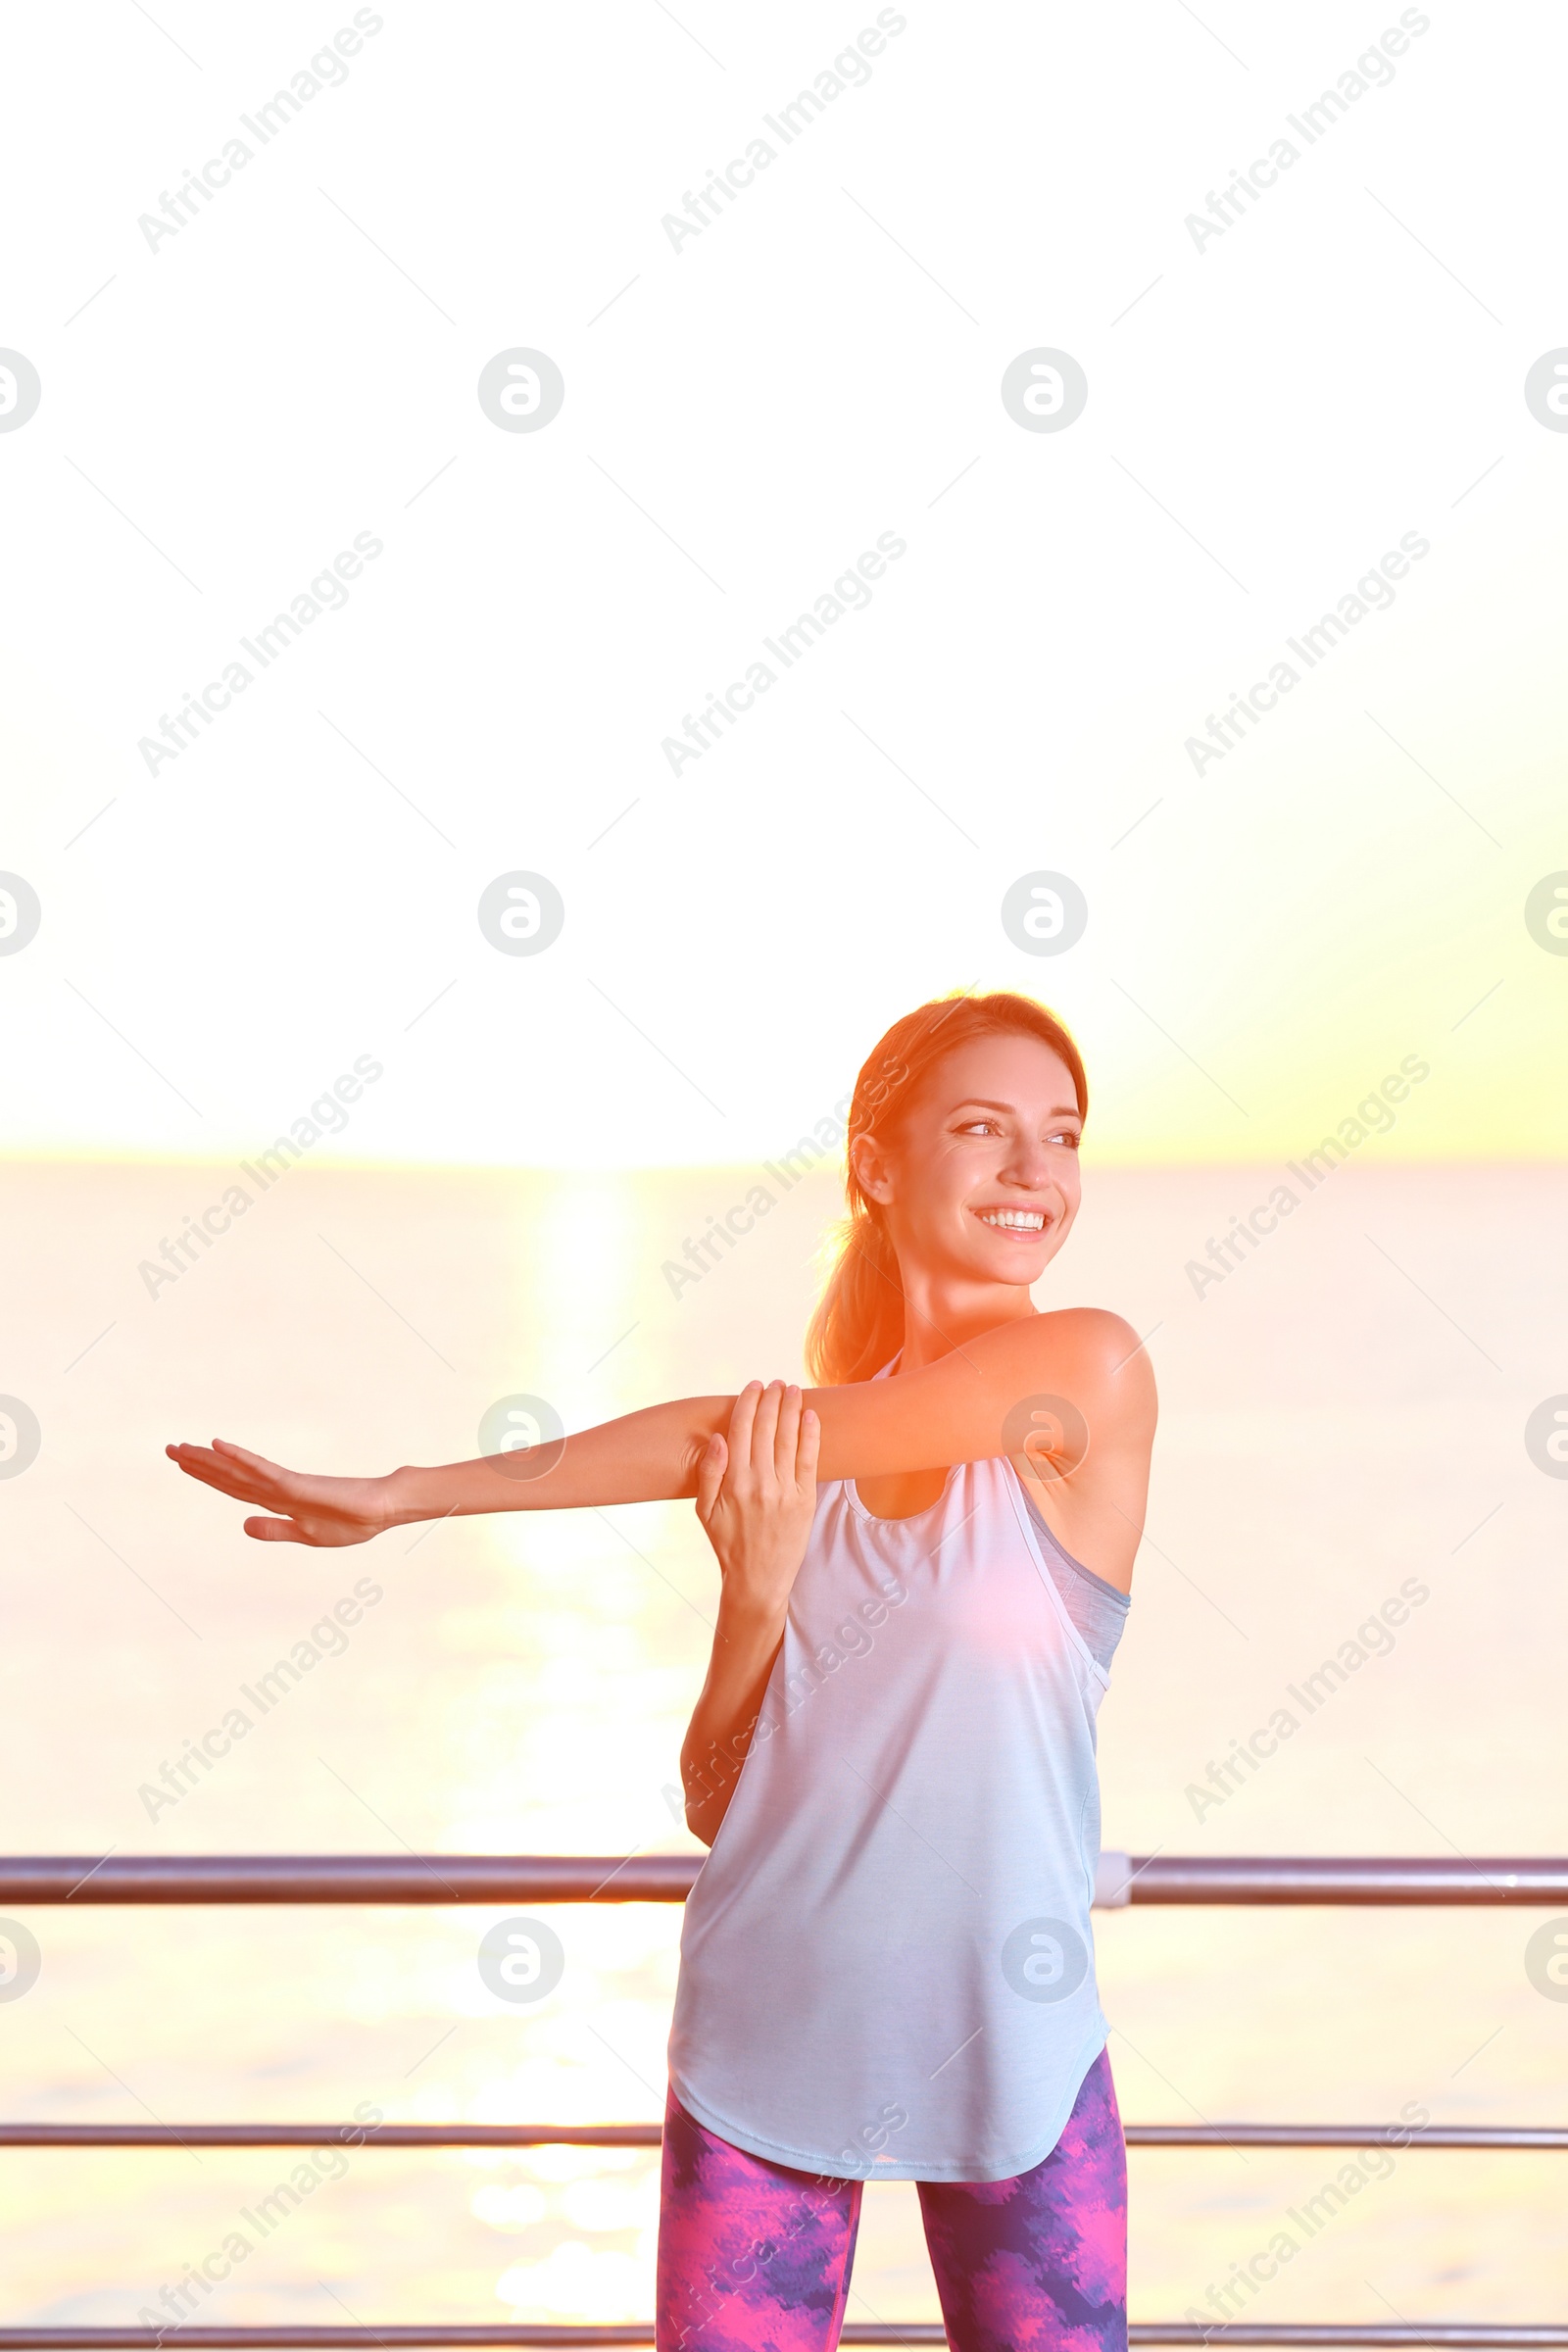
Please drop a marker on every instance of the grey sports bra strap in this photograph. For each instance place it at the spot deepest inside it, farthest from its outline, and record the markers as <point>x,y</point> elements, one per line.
<point>1097,1609</point>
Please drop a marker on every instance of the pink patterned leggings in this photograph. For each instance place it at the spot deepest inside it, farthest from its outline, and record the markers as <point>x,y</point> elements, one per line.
<point>753,2257</point>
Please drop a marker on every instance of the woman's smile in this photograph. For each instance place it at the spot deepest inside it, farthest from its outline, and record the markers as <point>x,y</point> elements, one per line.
<point>1014,1220</point>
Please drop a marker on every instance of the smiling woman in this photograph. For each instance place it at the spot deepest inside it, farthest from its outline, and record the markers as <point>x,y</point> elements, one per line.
<point>860,1320</point>
<point>892,1753</point>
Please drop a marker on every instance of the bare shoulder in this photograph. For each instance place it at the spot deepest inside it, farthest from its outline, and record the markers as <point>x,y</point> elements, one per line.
<point>1095,1333</point>
<point>1097,1352</point>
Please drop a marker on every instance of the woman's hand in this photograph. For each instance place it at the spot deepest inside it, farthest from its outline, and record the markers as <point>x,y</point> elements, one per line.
<point>756,1498</point>
<point>313,1510</point>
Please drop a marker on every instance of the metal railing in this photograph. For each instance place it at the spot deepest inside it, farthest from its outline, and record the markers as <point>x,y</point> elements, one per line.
<point>670,1879</point>
<point>486,1879</point>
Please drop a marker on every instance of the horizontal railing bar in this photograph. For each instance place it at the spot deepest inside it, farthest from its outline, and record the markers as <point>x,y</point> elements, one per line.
<point>651,2135</point>
<point>1455,2336</point>
<point>1350,1879</point>
<point>349,1879</point>
<point>319,2135</point>
<point>669,1878</point>
<point>1344,2136</point>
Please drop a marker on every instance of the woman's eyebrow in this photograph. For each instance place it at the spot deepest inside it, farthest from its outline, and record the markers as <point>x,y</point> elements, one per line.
<point>980,1103</point>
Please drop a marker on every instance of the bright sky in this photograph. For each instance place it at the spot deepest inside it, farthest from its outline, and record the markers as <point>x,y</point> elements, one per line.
<point>1337,373</point>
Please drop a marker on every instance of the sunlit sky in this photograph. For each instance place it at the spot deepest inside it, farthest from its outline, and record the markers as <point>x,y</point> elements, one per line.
<point>746,411</point>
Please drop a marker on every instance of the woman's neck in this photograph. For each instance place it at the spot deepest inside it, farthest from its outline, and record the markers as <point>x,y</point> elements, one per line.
<point>937,1318</point>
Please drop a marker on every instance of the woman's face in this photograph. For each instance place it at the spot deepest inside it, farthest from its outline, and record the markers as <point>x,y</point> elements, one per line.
<point>979,1176</point>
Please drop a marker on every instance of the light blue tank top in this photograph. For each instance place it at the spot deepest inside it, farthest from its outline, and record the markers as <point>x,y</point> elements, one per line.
<point>887,1962</point>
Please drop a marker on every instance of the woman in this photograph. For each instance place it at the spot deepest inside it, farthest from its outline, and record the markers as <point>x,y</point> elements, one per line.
<point>886,1964</point>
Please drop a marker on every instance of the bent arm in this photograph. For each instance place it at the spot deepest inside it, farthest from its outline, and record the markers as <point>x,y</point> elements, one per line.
<point>755,1497</point>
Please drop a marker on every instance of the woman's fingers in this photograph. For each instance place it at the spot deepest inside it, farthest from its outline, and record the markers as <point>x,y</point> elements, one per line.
<point>806,1450</point>
<point>198,1462</point>
<point>231,1461</point>
<point>216,1464</point>
<point>187,1457</point>
<point>742,1414</point>
<point>711,1475</point>
<point>253,1461</point>
<point>765,1430</point>
<point>765,1434</point>
<point>787,1434</point>
<point>247,1477</point>
<point>277,1530</point>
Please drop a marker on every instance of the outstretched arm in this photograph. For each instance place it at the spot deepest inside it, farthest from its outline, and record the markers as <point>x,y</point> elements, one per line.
<point>997,1394</point>
<point>647,1456</point>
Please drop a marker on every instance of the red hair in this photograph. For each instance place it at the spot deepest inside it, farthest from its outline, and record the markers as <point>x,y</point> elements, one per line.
<point>858,1323</point>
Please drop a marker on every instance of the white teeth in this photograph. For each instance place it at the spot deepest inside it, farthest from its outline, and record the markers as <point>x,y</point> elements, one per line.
<point>1014,1220</point>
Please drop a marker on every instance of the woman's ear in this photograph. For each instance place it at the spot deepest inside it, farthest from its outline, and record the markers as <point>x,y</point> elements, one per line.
<point>872,1172</point>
